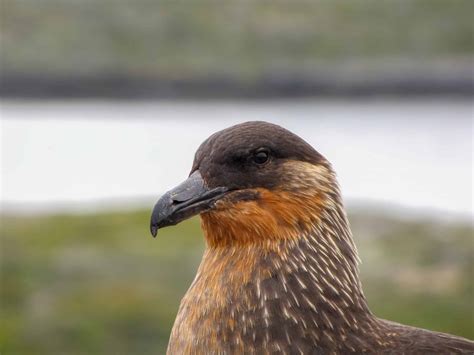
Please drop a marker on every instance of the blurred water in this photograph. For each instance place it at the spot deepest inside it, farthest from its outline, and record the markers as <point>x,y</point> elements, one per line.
<point>415,153</point>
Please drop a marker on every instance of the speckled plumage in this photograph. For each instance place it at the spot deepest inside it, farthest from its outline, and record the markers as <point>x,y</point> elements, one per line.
<point>279,274</point>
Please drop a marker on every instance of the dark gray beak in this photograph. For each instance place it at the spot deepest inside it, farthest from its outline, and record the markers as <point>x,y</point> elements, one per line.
<point>184,201</point>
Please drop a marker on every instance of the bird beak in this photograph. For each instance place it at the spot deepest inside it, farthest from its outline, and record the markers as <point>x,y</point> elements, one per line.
<point>184,201</point>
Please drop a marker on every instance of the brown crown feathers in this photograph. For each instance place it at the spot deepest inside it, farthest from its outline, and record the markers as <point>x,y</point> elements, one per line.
<point>279,274</point>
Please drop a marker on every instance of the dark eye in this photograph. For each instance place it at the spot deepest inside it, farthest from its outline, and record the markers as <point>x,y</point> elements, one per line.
<point>260,157</point>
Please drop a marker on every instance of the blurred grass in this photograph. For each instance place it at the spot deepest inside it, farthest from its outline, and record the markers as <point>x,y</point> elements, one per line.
<point>241,38</point>
<point>99,284</point>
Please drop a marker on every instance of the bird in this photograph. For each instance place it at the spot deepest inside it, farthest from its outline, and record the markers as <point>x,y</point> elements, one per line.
<point>279,274</point>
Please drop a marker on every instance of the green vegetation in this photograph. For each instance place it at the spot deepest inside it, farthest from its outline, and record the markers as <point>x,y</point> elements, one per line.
<point>245,39</point>
<point>100,284</point>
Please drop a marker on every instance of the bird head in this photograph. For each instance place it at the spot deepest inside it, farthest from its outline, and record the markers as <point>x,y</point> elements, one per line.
<point>255,182</point>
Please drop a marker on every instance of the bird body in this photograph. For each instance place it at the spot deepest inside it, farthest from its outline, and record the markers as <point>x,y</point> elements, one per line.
<point>280,271</point>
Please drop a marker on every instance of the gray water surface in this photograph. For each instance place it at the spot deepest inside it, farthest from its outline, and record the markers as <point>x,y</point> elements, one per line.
<point>414,153</point>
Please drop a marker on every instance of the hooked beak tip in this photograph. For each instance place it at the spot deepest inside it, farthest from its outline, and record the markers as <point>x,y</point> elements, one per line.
<point>184,201</point>
<point>154,230</point>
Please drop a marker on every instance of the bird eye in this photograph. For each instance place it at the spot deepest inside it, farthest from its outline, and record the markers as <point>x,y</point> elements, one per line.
<point>260,157</point>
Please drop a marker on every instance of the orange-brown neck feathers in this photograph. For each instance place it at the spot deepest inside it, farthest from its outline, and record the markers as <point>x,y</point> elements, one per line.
<point>282,213</point>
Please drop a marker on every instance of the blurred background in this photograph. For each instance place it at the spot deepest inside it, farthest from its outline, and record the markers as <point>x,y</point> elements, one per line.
<point>103,105</point>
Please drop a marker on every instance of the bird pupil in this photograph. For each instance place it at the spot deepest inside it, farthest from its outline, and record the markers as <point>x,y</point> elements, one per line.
<point>261,157</point>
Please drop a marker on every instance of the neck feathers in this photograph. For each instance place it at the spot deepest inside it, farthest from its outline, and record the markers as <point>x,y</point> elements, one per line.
<point>279,272</point>
<point>301,231</point>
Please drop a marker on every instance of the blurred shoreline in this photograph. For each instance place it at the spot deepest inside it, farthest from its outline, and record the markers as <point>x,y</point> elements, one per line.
<point>367,207</point>
<point>419,82</point>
